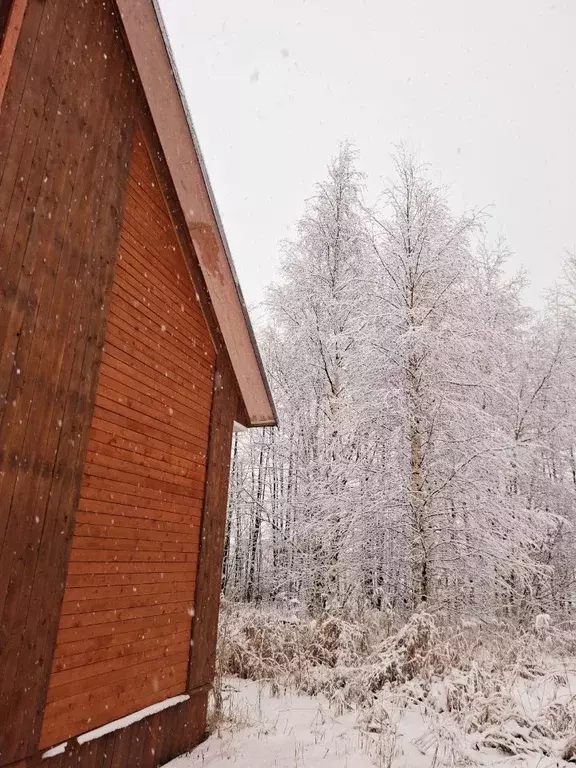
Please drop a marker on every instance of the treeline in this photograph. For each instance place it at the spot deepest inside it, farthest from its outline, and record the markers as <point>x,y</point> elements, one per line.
<point>426,450</point>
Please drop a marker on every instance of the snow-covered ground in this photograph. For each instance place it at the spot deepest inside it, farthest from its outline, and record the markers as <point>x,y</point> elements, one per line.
<point>286,730</point>
<point>262,730</point>
<point>413,692</point>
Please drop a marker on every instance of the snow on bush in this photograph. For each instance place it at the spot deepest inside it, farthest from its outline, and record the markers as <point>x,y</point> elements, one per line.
<point>500,686</point>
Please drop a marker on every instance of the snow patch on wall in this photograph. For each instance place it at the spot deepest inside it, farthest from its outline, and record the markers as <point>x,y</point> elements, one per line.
<point>59,749</point>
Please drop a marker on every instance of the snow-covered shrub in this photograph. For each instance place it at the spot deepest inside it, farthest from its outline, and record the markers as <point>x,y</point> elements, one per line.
<point>542,622</point>
<point>569,751</point>
<point>264,645</point>
<point>476,677</point>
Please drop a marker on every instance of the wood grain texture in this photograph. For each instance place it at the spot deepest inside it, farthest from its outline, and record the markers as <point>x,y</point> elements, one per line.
<point>205,625</point>
<point>65,132</point>
<point>124,643</point>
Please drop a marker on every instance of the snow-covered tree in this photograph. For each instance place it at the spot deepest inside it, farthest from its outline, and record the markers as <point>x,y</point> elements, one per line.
<point>425,453</point>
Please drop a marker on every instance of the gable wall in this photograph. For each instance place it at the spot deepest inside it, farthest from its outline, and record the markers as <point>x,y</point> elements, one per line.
<point>125,627</point>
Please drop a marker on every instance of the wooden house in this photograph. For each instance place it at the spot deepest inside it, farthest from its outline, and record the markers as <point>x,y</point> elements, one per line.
<point>126,355</point>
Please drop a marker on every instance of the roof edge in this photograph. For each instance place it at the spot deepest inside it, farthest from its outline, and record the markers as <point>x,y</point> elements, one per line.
<point>148,41</point>
<point>214,206</point>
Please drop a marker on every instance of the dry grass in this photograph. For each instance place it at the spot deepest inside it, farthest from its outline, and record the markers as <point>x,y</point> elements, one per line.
<point>469,678</point>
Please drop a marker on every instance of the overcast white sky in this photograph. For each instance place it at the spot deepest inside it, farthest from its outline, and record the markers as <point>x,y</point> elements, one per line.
<point>484,91</point>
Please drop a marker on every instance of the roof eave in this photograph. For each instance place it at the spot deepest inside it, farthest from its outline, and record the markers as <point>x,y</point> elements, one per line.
<point>142,21</point>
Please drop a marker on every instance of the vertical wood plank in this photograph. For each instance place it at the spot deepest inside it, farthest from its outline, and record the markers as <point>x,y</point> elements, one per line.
<point>41,360</point>
<point>207,603</point>
<point>65,131</point>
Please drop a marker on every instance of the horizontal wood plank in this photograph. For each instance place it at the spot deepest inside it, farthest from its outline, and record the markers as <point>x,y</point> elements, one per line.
<point>87,595</point>
<point>143,498</point>
<point>108,414</point>
<point>69,661</point>
<point>121,639</point>
<point>129,519</point>
<point>125,506</point>
<point>96,669</point>
<point>89,579</point>
<point>79,686</point>
<point>116,567</point>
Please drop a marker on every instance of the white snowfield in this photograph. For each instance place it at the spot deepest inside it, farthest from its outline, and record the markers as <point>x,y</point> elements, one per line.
<point>287,730</point>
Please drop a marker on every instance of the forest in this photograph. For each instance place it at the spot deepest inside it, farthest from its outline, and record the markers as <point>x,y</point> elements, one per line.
<point>425,456</point>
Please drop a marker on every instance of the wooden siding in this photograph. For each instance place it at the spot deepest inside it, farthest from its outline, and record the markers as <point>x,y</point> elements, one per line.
<point>124,635</point>
<point>66,124</point>
<point>205,627</point>
<point>146,744</point>
<point>157,739</point>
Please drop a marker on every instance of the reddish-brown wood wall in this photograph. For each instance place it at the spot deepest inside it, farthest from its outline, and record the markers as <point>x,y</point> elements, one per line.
<point>149,743</point>
<point>205,627</point>
<point>160,737</point>
<point>124,636</point>
<point>126,463</point>
<point>66,123</point>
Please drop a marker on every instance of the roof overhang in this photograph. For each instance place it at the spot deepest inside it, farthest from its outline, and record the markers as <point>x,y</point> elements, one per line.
<point>152,55</point>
